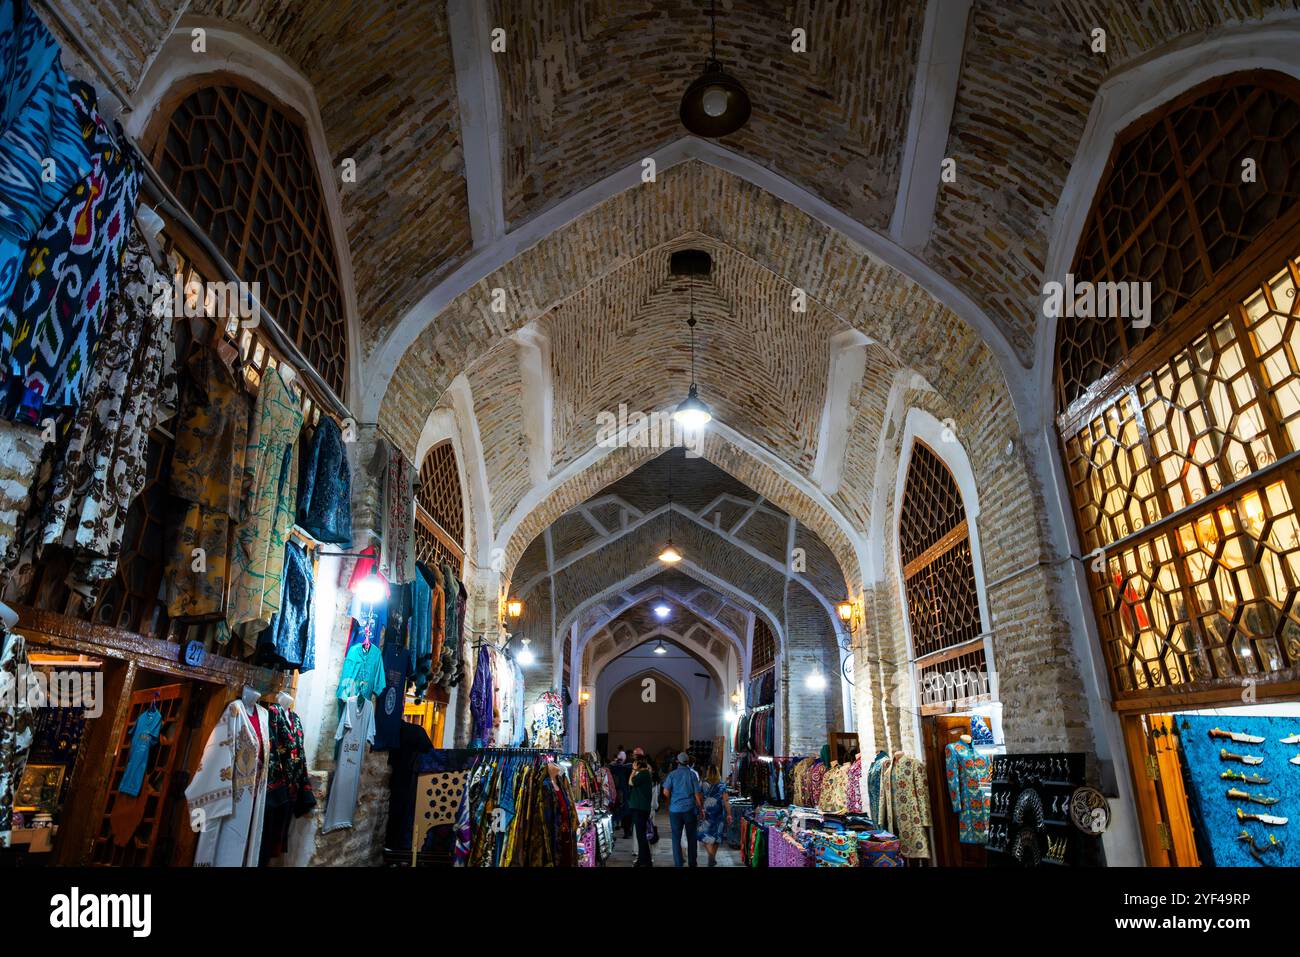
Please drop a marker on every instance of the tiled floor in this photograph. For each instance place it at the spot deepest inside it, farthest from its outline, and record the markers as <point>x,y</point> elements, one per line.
<point>662,853</point>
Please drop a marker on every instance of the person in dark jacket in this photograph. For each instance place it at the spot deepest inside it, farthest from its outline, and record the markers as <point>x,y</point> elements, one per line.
<point>622,772</point>
<point>639,796</point>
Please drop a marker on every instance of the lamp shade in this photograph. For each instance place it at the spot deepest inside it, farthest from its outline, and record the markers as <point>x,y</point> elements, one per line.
<point>715,104</point>
<point>670,555</point>
<point>514,607</point>
<point>845,610</point>
<point>692,414</point>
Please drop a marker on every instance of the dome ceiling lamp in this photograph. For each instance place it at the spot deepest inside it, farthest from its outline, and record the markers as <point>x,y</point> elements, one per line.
<point>670,555</point>
<point>715,104</point>
<point>692,414</point>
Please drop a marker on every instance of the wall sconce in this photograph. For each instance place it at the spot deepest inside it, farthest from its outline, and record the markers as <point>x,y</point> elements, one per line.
<point>514,607</point>
<point>846,611</point>
<point>584,696</point>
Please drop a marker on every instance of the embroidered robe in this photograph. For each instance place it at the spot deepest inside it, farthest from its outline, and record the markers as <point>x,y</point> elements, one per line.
<point>227,797</point>
<point>906,803</point>
<point>970,788</point>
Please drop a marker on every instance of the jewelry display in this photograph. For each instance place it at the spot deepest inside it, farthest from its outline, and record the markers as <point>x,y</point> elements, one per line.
<point>1032,807</point>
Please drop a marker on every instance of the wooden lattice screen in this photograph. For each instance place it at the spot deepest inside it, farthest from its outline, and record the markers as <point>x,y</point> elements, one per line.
<point>764,648</point>
<point>243,169</point>
<point>1181,460</point>
<point>1176,209</point>
<point>939,585</point>
<point>439,509</point>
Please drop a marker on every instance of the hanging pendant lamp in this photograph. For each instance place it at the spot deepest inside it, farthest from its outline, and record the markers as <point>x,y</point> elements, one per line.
<point>692,414</point>
<point>715,104</point>
<point>670,555</point>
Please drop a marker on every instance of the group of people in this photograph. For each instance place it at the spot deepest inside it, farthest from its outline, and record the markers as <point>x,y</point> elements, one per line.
<point>697,807</point>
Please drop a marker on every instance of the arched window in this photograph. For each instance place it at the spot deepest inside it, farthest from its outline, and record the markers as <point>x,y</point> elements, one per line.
<point>243,168</point>
<point>1179,447</point>
<point>939,586</point>
<point>439,509</point>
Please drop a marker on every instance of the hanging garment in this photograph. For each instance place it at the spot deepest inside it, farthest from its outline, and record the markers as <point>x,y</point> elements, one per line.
<point>15,724</point>
<point>480,700</point>
<point>356,729</point>
<point>449,659</point>
<point>289,642</point>
<point>426,621</point>
<point>206,473</point>
<point>853,798</point>
<point>906,803</point>
<point>105,464</point>
<point>325,486</point>
<point>970,788</point>
<point>69,273</point>
<point>39,123</point>
<point>875,807</point>
<point>391,702</point>
<point>227,796</point>
<point>143,737</point>
<point>363,672</point>
<point>289,793</point>
<point>834,796</point>
<point>397,518</point>
<point>270,493</point>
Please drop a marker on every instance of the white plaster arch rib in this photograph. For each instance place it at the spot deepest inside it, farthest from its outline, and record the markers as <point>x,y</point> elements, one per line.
<point>689,645</point>
<point>232,49</point>
<point>1122,100</point>
<point>538,494</point>
<point>650,594</point>
<point>483,262</point>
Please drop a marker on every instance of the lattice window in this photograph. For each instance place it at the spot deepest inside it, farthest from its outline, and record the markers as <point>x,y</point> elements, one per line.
<point>243,169</point>
<point>939,585</point>
<point>764,645</point>
<point>1173,210</point>
<point>439,509</point>
<point>1184,485</point>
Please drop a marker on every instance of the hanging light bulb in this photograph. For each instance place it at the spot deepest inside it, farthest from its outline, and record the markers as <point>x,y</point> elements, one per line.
<point>670,555</point>
<point>662,611</point>
<point>525,656</point>
<point>660,649</point>
<point>816,681</point>
<point>692,414</point>
<point>371,589</point>
<point>716,104</point>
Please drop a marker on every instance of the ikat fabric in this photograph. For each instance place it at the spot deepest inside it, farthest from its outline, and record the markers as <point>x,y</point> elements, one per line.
<point>325,485</point>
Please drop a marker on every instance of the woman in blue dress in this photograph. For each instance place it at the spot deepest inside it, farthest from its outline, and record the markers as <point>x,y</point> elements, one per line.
<point>715,815</point>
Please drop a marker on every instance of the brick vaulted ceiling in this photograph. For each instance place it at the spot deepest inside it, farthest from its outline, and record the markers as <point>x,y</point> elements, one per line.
<point>595,84</point>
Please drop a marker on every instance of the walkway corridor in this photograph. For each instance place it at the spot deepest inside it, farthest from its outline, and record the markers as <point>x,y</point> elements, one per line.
<point>662,852</point>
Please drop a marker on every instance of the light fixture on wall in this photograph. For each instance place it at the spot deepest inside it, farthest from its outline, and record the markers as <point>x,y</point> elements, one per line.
<point>525,656</point>
<point>514,607</point>
<point>715,104</point>
<point>371,590</point>
<point>816,681</point>
<point>584,695</point>
<point>692,414</point>
<point>847,612</point>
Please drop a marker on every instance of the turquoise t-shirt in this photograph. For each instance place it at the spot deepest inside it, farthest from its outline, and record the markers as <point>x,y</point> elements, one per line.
<point>363,672</point>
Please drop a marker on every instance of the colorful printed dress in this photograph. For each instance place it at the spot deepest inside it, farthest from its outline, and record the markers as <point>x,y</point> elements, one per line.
<point>970,783</point>
<point>714,828</point>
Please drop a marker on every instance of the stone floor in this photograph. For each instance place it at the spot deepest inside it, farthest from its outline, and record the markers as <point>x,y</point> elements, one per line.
<point>662,853</point>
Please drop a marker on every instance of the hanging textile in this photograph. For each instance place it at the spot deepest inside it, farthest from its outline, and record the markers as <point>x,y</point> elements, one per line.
<point>518,810</point>
<point>69,272</point>
<point>480,700</point>
<point>289,642</point>
<point>356,729</point>
<point>424,634</point>
<point>15,724</point>
<point>39,123</point>
<point>450,660</point>
<point>227,796</point>
<point>397,518</point>
<point>104,466</point>
<point>547,721</point>
<point>970,788</point>
<point>270,494</point>
<point>144,735</point>
<point>904,795</point>
<point>206,474</point>
<point>289,793</point>
<point>363,672</point>
<point>369,618</point>
<point>391,702</point>
<point>325,486</point>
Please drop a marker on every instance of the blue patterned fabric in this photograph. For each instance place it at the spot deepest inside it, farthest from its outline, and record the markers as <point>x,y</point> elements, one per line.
<point>70,270</point>
<point>1214,814</point>
<point>325,486</point>
<point>289,641</point>
<point>39,121</point>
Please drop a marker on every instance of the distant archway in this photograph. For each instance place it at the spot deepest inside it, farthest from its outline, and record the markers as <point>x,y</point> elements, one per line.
<point>654,725</point>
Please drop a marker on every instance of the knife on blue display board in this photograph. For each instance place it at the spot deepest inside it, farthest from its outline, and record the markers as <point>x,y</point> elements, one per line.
<point>1261,818</point>
<point>1236,736</point>
<point>1226,755</point>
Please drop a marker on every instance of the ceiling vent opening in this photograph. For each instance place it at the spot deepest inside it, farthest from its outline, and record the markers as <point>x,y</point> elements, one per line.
<point>691,262</point>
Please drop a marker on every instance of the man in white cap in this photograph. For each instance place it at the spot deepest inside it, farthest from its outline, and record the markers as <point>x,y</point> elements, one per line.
<point>685,801</point>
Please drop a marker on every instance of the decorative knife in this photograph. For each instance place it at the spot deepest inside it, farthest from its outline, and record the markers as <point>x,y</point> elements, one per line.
<point>1262,818</point>
<point>1236,736</point>
<point>1226,755</point>
<point>1293,739</point>
<point>1244,777</point>
<point>1236,794</point>
<point>1296,759</point>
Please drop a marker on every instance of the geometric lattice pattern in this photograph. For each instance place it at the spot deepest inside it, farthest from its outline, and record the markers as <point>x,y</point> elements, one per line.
<point>243,169</point>
<point>938,568</point>
<point>764,648</point>
<point>1174,211</point>
<point>932,505</point>
<point>1185,498</point>
<point>438,503</point>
